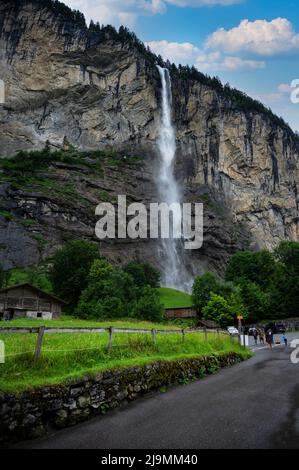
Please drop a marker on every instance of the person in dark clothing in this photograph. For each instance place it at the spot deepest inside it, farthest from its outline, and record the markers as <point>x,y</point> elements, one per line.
<point>269,338</point>
<point>255,336</point>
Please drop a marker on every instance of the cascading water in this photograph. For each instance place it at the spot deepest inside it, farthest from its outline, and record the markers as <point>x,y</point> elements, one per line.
<point>175,274</point>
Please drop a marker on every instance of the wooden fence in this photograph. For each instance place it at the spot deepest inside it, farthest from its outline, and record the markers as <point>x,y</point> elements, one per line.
<point>40,331</point>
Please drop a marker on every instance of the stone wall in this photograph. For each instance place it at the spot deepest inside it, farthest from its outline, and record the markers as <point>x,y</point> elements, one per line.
<point>36,412</point>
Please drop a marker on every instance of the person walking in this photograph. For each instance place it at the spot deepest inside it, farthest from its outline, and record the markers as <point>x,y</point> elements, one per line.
<point>285,340</point>
<point>269,338</point>
<point>261,337</point>
<point>255,336</point>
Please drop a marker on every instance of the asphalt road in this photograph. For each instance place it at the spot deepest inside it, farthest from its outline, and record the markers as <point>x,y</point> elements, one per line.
<point>252,405</point>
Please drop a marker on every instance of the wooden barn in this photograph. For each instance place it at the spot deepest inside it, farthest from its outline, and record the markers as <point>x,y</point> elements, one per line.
<point>27,301</point>
<point>181,312</point>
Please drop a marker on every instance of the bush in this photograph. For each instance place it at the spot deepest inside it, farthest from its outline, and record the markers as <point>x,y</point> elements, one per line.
<point>207,284</point>
<point>110,292</point>
<point>148,306</point>
<point>144,274</point>
<point>219,310</point>
<point>35,276</point>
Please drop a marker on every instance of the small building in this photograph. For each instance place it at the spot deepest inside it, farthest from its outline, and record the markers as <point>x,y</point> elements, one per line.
<point>181,312</point>
<point>27,301</point>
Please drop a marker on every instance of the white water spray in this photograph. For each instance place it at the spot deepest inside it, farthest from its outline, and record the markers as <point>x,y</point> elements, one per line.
<point>175,274</point>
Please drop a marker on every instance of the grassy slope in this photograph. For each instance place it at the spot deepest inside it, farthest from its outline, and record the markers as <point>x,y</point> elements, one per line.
<point>66,356</point>
<point>172,298</point>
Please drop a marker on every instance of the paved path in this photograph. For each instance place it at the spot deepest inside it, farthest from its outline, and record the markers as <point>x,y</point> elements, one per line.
<point>252,405</point>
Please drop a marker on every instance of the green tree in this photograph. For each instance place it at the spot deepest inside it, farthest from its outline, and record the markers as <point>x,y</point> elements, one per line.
<point>70,270</point>
<point>258,267</point>
<point>219,310</point>
<point>256,301</point>
<point>284,293</point>
<point>202,288</point>
<point>287,254</point>
<point>207,284</point>
<point>284,289</point>
<point>148,306</point>
<point>110,292</point>
<point>144,274</point>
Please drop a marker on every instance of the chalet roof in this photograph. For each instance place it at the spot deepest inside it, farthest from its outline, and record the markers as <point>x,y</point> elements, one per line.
<point>27,284</point>
<point>180,308</point>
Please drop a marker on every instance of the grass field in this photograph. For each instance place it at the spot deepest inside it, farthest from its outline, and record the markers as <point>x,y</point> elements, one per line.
<point>69,355</point>
<point>72,322</point>
<point>171,298</point>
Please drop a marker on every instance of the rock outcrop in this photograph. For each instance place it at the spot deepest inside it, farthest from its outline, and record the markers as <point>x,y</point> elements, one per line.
<point>65,83</point>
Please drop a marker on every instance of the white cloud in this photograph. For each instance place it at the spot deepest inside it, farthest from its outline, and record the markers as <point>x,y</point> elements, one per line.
<point>281,94</point>
<point>187,53</point>
<point>285,88</point>
<point>260,37</point>
<point>117,12</point>
<point>127,11</point>
<point>179,53</point>
<point>216,62</point>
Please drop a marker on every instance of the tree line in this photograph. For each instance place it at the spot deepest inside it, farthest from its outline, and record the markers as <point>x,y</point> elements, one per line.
<point>258,285</point>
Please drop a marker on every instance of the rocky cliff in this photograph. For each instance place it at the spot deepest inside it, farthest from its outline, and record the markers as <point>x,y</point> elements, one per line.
<point>67,84</point>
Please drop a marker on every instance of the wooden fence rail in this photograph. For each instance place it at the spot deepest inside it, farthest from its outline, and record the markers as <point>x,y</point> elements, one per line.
<point>41,331</point>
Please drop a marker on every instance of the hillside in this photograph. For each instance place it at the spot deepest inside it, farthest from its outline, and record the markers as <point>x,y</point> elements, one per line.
<point>171,298</point>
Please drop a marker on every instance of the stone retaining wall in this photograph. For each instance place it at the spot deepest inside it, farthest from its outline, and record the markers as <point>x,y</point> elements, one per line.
<point>36,412</point>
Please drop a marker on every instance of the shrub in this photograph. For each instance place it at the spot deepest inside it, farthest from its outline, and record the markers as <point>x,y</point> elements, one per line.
<point>207,284</point>
<point>35,276</point>
<point>219,310</point>
<point>110,292</point>
<point>148,306</point>
<point>144,274</point>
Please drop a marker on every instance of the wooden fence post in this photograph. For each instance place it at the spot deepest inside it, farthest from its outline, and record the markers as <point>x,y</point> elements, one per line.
<point>154,336</point>
<point>110,339</point>
<point>39,343</point>
<point>184,336</point>
<point>206,334</point>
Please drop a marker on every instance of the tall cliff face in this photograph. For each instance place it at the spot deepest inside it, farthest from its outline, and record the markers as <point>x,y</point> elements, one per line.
<point>64,81</point>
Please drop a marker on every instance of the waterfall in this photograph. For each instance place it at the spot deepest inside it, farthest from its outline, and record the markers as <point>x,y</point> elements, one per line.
<point>174,271</point>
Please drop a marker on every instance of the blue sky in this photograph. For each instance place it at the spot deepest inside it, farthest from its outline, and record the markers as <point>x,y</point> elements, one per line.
<point>254,45</point>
